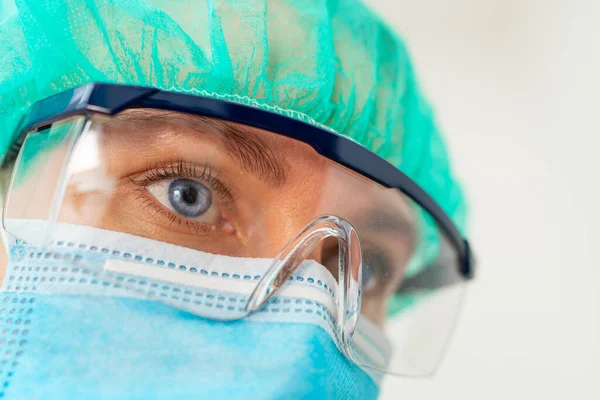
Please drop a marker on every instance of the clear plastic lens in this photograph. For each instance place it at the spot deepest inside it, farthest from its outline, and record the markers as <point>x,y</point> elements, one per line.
<point>222,189</point>
<point>38,183</point>
<point>422,314</point>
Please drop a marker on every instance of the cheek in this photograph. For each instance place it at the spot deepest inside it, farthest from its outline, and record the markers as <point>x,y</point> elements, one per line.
<point>89,208</point>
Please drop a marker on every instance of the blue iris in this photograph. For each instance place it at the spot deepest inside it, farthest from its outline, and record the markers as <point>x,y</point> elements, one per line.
<point>189,198</point>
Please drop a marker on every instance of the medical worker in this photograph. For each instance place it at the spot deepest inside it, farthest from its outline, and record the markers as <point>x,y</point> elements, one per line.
<point>224,199</point>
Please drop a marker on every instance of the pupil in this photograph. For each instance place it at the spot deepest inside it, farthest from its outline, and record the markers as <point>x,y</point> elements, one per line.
<point>190,195</point>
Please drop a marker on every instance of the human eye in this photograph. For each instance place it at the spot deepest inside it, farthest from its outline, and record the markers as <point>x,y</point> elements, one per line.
<point>376,267</point>
<point>187,195</point>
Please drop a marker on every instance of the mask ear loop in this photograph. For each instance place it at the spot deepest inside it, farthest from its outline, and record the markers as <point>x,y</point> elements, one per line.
<point>349,272</point>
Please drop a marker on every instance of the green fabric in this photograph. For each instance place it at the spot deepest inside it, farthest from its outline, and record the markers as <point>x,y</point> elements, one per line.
<point>35,150</point>
<point>7,7</point>
<point>332,63</point>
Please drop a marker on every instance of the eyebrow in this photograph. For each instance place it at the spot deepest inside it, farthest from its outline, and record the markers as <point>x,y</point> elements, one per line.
<point>252,153</point>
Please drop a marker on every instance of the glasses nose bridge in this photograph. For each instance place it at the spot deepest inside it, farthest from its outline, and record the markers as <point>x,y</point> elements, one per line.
<point>326,253</point>
<point>311,242</point>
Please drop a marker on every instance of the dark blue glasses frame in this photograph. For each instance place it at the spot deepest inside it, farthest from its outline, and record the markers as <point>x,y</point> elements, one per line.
<point>110,99</point>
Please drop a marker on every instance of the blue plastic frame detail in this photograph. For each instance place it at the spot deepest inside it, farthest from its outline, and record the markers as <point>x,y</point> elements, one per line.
<point>110,99</point>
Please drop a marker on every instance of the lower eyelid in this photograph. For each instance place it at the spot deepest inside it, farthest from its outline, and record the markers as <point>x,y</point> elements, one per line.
<point>149,203</point>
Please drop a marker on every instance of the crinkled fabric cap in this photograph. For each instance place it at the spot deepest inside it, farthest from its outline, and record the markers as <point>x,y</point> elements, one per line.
<point>330,63</point>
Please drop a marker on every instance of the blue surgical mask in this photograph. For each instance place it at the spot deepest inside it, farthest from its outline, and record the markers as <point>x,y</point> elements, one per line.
<point>67,334</point>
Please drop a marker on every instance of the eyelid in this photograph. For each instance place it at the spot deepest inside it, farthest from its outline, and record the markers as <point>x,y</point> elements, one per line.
<point>148,202</point>
<point>204,173</point>
<point>244,144</point>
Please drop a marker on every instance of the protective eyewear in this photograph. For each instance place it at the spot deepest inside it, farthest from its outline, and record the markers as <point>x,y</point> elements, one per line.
<point>236,180</point>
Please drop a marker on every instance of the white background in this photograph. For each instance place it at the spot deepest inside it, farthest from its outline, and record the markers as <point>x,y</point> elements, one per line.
<point>516,87</point>
<point>515,84</point>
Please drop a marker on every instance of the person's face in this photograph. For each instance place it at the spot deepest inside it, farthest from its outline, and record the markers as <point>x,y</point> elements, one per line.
<point>228,189</point>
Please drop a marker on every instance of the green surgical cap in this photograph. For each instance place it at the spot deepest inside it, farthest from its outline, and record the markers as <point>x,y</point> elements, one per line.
<point>328,62</point>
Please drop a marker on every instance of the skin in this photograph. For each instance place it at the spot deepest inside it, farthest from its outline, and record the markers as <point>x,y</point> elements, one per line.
<point>265,189</point>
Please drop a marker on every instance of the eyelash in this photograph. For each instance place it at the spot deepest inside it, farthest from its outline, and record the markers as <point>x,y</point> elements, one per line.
<point>204,173</point>
<point>184,169</point>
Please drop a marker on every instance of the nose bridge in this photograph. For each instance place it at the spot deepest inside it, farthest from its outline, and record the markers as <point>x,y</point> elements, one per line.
<point>327,250</point>
<point>279,229</point>
<point>317,253</point>
<point>306,195</point>
<point>327,253</point>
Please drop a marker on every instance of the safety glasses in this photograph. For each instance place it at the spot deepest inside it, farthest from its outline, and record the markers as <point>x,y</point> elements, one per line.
<point>234,182</point>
